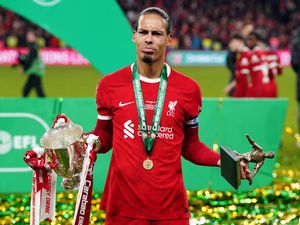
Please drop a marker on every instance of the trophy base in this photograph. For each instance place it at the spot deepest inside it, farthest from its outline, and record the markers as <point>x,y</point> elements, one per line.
<point>230,167</point>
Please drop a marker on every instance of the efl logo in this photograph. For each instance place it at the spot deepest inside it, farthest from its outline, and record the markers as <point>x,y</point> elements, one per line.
<point>19,132</point>
<point>47,3</point>
<point>18,142</point>
<point>128,129</point>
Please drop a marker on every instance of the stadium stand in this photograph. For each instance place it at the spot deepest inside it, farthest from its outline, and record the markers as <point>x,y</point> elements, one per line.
<point>198,24</point>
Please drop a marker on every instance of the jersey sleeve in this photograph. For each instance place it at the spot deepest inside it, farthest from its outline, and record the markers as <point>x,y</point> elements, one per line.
<point>103,128</point>
<point>103,101</point>
<point>193,106</point>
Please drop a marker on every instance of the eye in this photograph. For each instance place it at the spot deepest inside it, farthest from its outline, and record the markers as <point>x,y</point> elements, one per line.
<point>143,32</point>
<point>156,33</point>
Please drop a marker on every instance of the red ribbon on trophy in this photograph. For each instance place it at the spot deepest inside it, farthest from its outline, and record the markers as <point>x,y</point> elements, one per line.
<point>43,193</point>
<point>84,197</point>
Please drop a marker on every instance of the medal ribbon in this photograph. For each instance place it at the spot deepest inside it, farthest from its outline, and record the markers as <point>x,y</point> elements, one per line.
<point>149,139</point>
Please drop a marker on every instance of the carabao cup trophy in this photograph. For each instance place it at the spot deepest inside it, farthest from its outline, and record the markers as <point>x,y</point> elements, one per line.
<point>67,153</point>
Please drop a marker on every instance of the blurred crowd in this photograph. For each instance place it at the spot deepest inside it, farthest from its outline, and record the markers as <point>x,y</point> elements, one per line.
<point>201,24</point>
<point>13,30</point>
<point>197,24</point>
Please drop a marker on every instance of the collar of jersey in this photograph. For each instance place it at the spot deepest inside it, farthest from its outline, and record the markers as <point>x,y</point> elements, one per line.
<point>155,80</point>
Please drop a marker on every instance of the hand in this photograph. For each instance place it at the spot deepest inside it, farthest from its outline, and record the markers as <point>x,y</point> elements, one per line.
<point>229,87</point>
<point>219,162</point>
<point>245,171</point>
<point>60,120</point>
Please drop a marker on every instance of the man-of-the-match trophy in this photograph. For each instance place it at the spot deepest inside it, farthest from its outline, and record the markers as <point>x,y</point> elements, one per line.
<point>230,162</point>
<point>67,154</point>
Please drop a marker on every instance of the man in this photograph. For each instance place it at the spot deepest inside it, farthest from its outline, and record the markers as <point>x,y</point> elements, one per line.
<point>152,112</point>
<point>33,66</point>
<point>273,64</point>
<point>259,85</point>
<point>232,57</point>
<point>275,69</point>
<point>240,84</point>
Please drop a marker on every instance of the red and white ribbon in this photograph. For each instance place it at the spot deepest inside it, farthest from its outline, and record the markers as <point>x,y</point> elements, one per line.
<point>43,194</point>
<point>84,197</point>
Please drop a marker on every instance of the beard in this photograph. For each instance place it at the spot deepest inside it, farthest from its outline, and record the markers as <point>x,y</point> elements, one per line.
<point>147,59</point>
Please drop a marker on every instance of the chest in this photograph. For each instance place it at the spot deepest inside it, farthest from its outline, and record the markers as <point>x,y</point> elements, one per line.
<point>125,108</point>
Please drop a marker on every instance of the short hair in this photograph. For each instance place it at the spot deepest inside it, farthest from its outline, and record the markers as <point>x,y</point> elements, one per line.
<point>238,36</point>
<point>257,35</point>
<point>157,11</point>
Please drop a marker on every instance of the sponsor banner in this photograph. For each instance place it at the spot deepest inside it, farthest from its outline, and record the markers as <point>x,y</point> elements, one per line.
<point>196,58</point>
<point>50,56</point>
<point>211,58</point>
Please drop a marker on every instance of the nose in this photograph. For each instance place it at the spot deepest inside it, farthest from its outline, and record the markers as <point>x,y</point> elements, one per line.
<point>148,38</point>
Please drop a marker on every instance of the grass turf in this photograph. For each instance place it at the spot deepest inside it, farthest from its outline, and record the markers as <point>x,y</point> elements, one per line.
<point>81,82</point>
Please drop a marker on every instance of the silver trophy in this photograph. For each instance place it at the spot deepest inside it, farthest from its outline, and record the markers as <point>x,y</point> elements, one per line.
<point>66,148</point>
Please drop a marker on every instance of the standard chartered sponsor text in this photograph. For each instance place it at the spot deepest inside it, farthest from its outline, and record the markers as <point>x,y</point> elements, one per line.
<point>163,132</point>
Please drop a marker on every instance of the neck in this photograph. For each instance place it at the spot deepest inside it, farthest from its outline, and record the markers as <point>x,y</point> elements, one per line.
<point>150,70</point>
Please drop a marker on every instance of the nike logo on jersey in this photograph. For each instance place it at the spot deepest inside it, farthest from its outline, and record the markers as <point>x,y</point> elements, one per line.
<point>124,104</point>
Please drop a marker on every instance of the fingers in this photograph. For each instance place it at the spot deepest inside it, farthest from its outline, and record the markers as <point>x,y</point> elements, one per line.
<point>245,171</point>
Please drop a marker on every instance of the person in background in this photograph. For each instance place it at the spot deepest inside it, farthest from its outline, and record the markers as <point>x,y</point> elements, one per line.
<point>231,57</point>
<point>258,86</point>
<point>32,66</point>
<point>240,84</point>
<point>273,64</point>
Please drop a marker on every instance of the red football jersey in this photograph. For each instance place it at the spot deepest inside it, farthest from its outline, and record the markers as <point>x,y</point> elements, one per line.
<point>242,72</point>
<point>258,87</point>
<point>130,190</point>
<point>275,69</point>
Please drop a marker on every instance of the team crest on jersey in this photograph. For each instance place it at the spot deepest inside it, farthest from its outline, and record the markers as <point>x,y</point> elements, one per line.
<point>171,111</point>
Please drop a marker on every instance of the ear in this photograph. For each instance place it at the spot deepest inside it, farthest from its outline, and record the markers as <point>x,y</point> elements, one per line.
<point>134,37</point>
<point>169,37</point>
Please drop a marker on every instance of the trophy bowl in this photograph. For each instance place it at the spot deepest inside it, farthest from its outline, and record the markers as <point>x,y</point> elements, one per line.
<point>65,147</point>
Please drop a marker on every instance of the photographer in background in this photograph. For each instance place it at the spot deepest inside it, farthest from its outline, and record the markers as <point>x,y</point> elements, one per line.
<point>32,66</point>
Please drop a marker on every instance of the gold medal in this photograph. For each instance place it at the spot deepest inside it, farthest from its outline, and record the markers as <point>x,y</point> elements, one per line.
<point>148,164</point>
